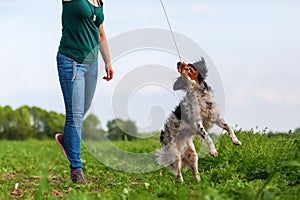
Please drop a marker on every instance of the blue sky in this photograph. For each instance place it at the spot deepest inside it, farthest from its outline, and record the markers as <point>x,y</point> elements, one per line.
<point>254,46</point>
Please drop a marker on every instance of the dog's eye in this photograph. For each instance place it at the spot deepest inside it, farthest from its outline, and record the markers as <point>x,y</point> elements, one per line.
<point>190,70</point>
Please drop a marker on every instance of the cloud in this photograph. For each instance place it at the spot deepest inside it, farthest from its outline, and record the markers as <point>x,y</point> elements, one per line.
<point>244,95</point>
<point>205,8</point>
<point>274,96</point>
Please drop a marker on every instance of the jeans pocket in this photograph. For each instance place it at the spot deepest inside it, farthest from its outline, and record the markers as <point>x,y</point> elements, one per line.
<point>67,67</point>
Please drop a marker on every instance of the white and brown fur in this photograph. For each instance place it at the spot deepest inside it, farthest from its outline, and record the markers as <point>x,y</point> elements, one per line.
<point>194,116</point>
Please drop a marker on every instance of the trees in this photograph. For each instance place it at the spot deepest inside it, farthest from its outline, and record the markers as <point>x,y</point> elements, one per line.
<point>26,122</point>
<point>34,122</point>
<point>53,123</point>
<point>38,122</point>
<point>119,129</point>
<point>15,124</point>
<point>91,128</point>
<point>21,128</point>
<point>6,123</point>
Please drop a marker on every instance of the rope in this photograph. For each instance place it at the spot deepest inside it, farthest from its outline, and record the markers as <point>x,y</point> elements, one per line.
<point>170,27</point>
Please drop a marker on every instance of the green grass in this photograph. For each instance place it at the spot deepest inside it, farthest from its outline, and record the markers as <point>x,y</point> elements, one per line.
<point>262,168</point>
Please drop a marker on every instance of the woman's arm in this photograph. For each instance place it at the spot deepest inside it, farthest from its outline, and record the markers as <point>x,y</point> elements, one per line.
<point>105,54</point>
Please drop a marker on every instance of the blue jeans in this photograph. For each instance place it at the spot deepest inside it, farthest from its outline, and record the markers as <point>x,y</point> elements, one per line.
<point>78,83</point>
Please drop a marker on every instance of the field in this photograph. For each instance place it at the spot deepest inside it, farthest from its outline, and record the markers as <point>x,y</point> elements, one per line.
<point>266,166</point>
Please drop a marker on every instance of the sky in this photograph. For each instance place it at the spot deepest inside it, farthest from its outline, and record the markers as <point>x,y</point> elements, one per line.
<point>252,47</point>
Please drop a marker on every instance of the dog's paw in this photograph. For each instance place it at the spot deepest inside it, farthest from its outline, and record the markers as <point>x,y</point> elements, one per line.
<point>236,142</point>
<point>198,179</point>
<point>213,153</point>
<point>180,179</point>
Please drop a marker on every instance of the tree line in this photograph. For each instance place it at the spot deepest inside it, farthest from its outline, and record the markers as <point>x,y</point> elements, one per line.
<point>33,122</point>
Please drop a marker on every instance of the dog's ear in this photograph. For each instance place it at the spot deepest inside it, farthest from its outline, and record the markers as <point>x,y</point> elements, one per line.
<point>200,78</point>
<point>178,67</point>
<point>206,86</point>
<point>201,67</point>
<point>179,84</point>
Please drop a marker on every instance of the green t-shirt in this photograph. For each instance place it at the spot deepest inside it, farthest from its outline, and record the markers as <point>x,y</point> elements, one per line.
<point>80,37</point>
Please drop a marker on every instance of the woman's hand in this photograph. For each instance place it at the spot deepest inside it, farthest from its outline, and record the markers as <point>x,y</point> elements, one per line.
<point>109,73</point>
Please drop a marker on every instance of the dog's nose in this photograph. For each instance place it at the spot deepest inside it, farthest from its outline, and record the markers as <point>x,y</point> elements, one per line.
<point>178,64</point>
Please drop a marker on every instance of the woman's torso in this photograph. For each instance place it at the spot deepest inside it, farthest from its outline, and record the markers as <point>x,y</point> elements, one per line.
<point>80,38</point>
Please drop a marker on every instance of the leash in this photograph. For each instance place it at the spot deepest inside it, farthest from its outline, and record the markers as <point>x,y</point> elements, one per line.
<point>170,27</point>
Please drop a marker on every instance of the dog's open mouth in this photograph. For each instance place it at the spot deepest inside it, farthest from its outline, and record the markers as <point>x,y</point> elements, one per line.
<point>185,72</point>
<point>184,69</point>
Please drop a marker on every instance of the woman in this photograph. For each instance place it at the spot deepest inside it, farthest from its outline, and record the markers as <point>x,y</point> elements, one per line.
<point>82,37</point>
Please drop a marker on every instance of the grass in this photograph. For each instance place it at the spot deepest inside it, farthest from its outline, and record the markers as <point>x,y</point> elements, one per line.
<point>264,167</point>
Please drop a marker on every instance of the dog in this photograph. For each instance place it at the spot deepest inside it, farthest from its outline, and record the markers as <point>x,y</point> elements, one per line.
<point>194,116</point>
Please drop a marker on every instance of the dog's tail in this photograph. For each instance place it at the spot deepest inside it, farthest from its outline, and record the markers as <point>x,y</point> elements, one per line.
<point>161,158</point>
<point>167,155</point>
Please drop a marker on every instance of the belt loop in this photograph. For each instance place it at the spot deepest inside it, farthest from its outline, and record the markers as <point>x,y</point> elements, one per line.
<point>74,70</point>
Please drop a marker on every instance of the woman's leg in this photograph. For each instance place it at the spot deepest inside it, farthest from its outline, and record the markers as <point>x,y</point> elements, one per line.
<point>91,78</point>
<point>72,81</point>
